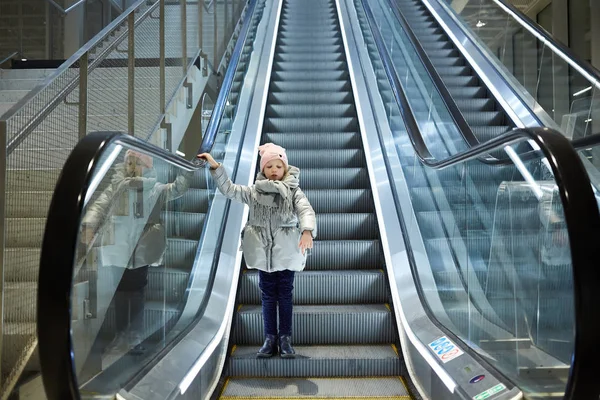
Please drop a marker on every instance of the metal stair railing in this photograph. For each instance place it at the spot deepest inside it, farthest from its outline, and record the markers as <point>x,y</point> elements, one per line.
<point>124,79</point>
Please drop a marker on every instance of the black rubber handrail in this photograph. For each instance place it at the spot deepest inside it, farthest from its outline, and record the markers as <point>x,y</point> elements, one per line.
<point>581,214</point>
<point>215,119</point>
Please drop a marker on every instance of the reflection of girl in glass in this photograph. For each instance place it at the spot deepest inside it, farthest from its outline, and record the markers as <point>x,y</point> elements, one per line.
<point>134,199</point>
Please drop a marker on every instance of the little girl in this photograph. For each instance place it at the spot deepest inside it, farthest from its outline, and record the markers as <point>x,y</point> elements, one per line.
<point>281,227</point>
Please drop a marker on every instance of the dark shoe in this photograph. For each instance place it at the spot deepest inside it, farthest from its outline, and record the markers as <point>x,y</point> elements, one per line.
<point>285,347</point>
<point>268,348</point>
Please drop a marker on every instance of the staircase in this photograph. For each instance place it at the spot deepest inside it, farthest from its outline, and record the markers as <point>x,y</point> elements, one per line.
<point>34,166</point>
<point>343,325</point>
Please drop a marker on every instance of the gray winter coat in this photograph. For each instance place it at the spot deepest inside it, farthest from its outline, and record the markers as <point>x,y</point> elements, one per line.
<point>131,207</point>
<point>279,213</point>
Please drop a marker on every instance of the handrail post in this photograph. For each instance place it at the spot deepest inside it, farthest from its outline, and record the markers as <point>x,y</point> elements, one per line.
<point>226,22</point>
<point>216,42</point>
<point>200,24</point>
<point>184,36</point>
<point>83,94</point>
<point>3,187</point>
<point>162,56</point>
<point>131,75</point>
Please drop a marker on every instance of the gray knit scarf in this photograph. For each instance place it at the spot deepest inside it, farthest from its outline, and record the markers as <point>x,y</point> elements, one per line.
<point>275,197</point>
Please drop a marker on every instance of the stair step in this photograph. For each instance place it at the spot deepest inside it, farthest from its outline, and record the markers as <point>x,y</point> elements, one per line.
<point>322,361</point>
<point>316,388</point>
<point>325,287</point>
<point>364,324</point>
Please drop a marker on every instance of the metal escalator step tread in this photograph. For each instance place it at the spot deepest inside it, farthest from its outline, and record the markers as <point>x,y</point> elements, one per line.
<point>307,97</point>
<point>345,254</point>
<point>340,200</point>
<point>344,226</point>
<point>315,140</point>
<point>183,225</point>
<point>309,75</point>
<point>311,65</point>
<point>310,48</point>
<point>334,178</point>
<point>309,57</point>
<point>347,158</point>
<point>380,388</point>
<point>194,201</point>
<point>180,253</point>
<point>311,87</point>
<point>322,361</point>
<point>343,124</point>
<point>302,39</point>
<point>319,324</point>
<point>312,110</point>
<point>325,287</point>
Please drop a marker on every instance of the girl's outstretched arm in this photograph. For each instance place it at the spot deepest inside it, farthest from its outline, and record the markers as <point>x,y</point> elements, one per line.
<point>229,189</point>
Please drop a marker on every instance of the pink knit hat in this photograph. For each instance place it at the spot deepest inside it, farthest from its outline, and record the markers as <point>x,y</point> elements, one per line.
<point>269,152</point>
<point>146,160</point>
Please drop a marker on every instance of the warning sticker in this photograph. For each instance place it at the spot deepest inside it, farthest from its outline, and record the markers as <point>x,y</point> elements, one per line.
<point>445,349</point>
<point>490,392</point>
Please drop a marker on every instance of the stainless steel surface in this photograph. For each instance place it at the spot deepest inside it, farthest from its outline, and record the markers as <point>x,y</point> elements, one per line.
<point>410,313</point>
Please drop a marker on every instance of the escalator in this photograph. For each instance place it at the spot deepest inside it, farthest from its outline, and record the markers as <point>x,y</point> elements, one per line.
<point>470,243</point>
<point>310,111</point>
<point>479,108</point>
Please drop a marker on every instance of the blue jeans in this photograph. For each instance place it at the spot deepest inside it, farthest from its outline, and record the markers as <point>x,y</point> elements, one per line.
<point>276,292</point>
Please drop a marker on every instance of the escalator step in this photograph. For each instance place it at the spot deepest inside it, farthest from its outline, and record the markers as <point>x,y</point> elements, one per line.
<point>181,253</point>
<point>308,65</point>
<point>356,226</point>
<point>344,158</point>
<point>183,225</point>
<point>311,87</point>
<point>309,75</point>
<point>194,201</point>
<point>307,97</point>
<point>345,254</point>
<point>325,287</point>
<point>340,201</point>
<point>334,178</point>
<point>381,388</point>
<point>346,124</point>
<point>320,325</point>
<point>314,110</point>
<point>348,361</point>
<point>309,141</point>
<point>309,57</point>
